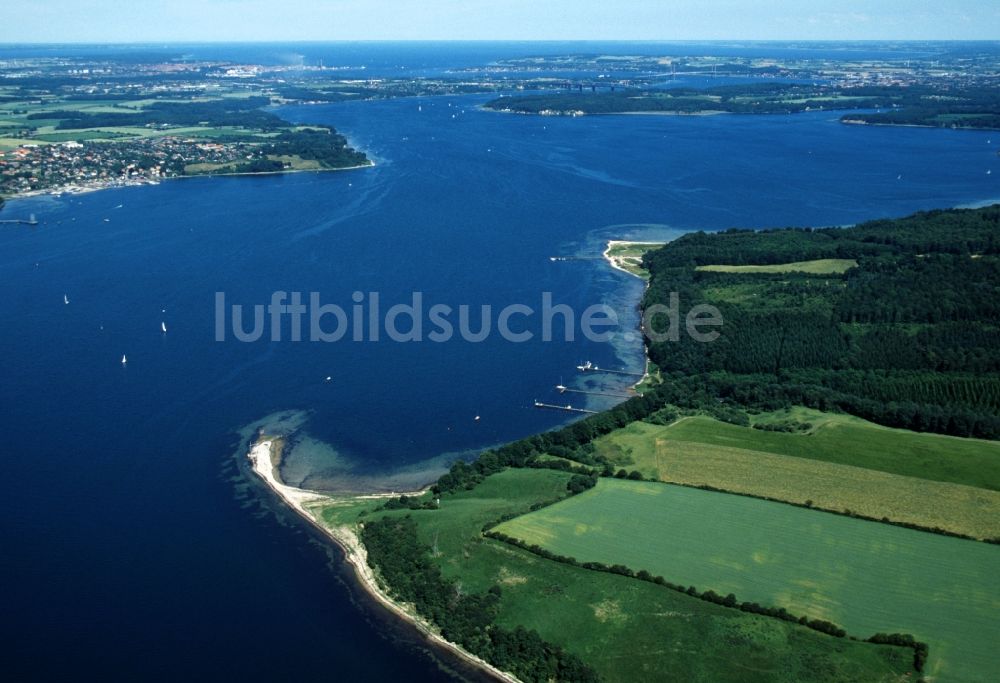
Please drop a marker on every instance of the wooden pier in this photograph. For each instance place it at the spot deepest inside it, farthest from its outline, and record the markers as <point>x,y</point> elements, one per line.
<point>590,367</point>
<point>565,408</point>
<point>562,390</point>
<point>20,221</point>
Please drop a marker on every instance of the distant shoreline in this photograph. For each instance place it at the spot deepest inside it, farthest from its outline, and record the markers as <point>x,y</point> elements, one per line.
<point>97,186</point>
<point>862,122</point>
<point>578,113</point>
<point>370,164</point>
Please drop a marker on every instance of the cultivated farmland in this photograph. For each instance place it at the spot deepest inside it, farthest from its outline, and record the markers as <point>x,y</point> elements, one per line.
<point>629,630</point>
<point>794,467</point>
<point>865,576</point>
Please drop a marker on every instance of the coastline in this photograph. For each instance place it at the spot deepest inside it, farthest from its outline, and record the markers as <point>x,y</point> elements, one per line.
<point>261,456</point>
<point>117,183</point>
<point>577,113</point>
<point>370,164</point>
<point>862,122</point>
<point>617,262</point>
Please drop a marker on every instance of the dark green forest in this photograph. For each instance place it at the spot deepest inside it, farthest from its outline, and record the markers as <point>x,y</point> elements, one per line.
<point>324,145</point>
<point>908,338</point>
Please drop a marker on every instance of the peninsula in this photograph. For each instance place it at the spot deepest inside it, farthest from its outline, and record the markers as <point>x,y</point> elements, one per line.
<point>622,545</point>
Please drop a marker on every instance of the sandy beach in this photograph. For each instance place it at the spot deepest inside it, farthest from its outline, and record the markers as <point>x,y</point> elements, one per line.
<point>618,262</point>
<point>261,456</point>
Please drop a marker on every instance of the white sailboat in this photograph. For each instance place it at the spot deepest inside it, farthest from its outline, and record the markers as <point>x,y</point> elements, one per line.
<point>124,359</point>
<point>163,327</point>
<point>65,299</point>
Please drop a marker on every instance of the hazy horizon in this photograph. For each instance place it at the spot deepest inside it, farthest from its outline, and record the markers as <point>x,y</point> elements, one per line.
<point>102,21</point>
<point>649,41</point>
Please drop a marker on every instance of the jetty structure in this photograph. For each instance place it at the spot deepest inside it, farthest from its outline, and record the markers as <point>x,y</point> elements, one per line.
<point>590,367</point>
<point>566,408</point>
<point>31,220</point>
<point>564,389</point>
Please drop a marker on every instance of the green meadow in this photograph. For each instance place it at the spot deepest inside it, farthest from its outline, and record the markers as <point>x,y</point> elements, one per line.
<point>826,266</point>
<point>865,576</point>
<point>629,630</point>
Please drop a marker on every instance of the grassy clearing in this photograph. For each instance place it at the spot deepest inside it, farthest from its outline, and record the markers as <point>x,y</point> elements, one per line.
<point>865,576</point>
<point>297,163</point>
<point>826,266</point>
<point>627,629</point>
<point>194,169</point>
<point>776,465</point>
<point>545,457</point>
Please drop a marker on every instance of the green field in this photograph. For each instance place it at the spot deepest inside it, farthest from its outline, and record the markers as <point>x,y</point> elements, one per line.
<point>14,143</point>
<point>627,629</point>
<point>864,576</point>
<point>826,266</point>
<point>834,465</point>
<point>842,439</point>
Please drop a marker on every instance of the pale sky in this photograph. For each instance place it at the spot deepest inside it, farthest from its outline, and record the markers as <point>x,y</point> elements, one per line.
<point>287,20</point>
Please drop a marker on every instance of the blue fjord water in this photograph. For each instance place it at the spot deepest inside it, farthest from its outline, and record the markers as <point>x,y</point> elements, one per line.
<point>133,548</point>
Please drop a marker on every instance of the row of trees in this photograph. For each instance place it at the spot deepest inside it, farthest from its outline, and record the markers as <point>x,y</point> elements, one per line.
<point>920,649</point>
